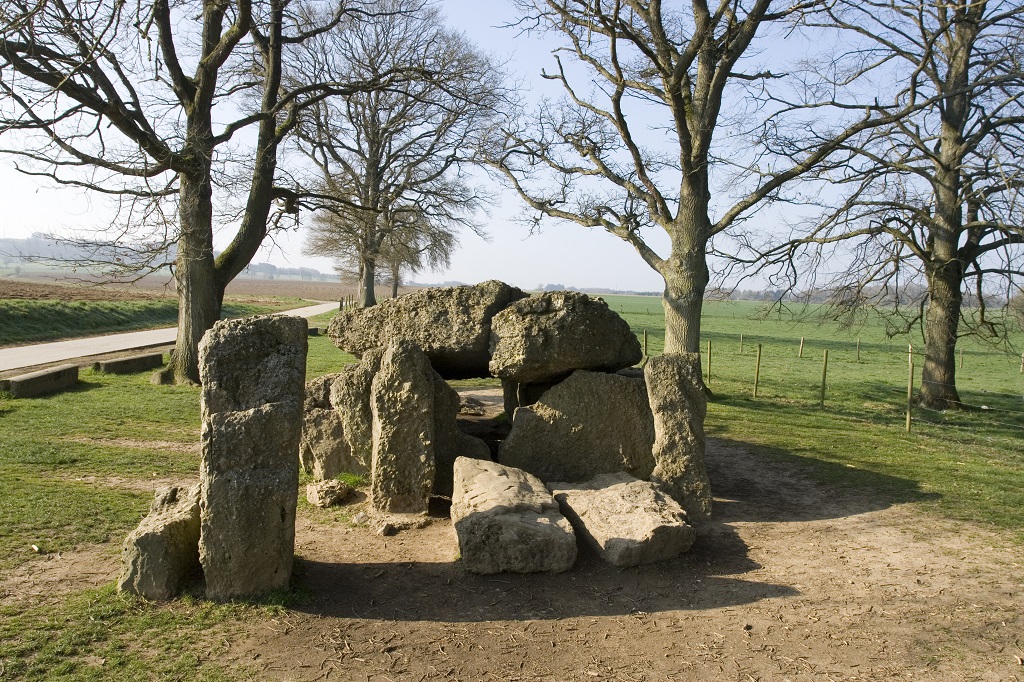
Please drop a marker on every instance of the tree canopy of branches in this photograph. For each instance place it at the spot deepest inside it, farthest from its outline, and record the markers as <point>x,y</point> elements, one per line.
<point>933,198</point>
<point>392,162</point>
<point>592,160</point>
<point>152,101</point>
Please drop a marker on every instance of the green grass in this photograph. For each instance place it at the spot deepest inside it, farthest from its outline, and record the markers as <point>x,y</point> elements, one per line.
<point>34,321</point>
<point>62,457</point>
<point>966,464</point>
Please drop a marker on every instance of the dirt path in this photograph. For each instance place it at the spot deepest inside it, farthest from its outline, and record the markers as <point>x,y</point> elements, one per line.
<point>791,582</point>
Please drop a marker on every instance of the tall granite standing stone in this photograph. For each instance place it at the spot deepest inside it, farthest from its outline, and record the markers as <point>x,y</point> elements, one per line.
<point>253,376</point>
<point>401,402</point>
<point>676,394</point>
<point>451,325</point>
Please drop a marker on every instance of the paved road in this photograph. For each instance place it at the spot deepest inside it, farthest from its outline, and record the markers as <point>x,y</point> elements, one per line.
<point>60,351</point>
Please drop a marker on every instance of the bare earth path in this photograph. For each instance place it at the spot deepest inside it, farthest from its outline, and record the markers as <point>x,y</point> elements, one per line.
<point>790,582</point>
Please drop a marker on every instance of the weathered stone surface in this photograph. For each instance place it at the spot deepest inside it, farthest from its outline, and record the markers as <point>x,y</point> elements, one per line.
<point>253,373</point>
<point>163,552</point>
<point>325,494</point>
<point>628,521</point>
<point>449,442</point>
<point>591,423</point>
<point>350,398</point>
<point>547,336</point>
<point>451,325</point>
<point>506,520</point>
<point>676,394</point>
<point>401,403</point>
<point>253,361</point>
<point>323,446</point>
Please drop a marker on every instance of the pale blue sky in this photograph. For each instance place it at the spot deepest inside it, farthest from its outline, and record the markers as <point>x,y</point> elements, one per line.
<point>561,253</point>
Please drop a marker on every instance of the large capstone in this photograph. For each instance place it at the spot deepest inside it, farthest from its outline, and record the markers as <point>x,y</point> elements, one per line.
<point>253,375</point>
<point>506,520</point>
<point>628,521</point>
<point>402,407</point>
<point>547,336</point>
<point>677,399</point>
<point>451,325</point>
<point>162,554</point>
<point>591,423</point>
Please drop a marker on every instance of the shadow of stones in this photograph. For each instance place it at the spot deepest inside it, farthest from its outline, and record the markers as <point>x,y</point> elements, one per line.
<point>754,483</point>
<point>704,578</point>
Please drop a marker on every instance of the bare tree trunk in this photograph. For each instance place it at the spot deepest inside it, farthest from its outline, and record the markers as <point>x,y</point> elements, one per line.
<point>367,296</point>
<point>686,274</point>
<point>195,277</point>
<point>396,278</point>
<point>945,297</point>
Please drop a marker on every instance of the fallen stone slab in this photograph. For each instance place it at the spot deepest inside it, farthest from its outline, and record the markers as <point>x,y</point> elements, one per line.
<point>506,520</point>
<point>545,337</point>
<point>591,423</point>
<point>162,553</point>
<point>628,521</point>
<point>676,394</point>
<point>325,494</point>
<point>130,364</point>
<point>43,382</point>
<point>451,325</point>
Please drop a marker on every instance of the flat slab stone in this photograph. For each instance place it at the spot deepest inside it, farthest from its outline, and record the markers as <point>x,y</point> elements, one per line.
<point>130,364</point>
<point>628,521</point>
<point>52,380</point>
<point>506,520</point>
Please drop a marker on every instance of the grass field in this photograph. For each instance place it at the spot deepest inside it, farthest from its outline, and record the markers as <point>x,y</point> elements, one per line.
<point>34,321</point>
<point>56,452</point>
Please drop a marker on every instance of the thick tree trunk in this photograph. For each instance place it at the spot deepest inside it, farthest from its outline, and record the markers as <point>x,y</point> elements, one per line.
<point>938,379</point>
<point>686,278</point>
<point>199,297</point>
<point>367,296</point>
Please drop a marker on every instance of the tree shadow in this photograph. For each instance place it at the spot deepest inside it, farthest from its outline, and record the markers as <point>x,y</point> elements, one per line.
<point>758,483</point>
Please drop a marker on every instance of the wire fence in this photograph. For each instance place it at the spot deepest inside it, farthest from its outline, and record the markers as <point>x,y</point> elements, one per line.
<point>781,372</point>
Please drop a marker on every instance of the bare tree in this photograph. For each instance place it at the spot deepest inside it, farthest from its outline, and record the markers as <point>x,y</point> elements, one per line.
<point>392,163</point>
<point>150,101</point>
<point>935,198</point>
<point>632,147</point>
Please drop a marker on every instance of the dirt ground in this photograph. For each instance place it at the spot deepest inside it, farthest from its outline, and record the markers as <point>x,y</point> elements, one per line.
<point>791,581</point>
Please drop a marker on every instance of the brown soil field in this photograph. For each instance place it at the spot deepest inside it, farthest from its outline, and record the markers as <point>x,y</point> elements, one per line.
<point>790,581</point>
<point>248,290</point>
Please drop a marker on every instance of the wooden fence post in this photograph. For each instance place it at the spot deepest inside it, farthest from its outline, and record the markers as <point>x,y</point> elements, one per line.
<point>910,390</point>
<point>741,344</point>
<point>709,361</point>
<point>858,349</point>
<point>757,369</point>
<point>801,346</point>
<point>824,373</point>
<point>962,358</point>
<point>645,343</point>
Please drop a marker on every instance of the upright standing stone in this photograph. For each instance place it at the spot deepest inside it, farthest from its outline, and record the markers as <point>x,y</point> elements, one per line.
<point>253,373</point>
<point>350,398</point>
<point>591,423</point>
<point>402,400</point>
<point>323,451</point>
<point>676,394</point>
